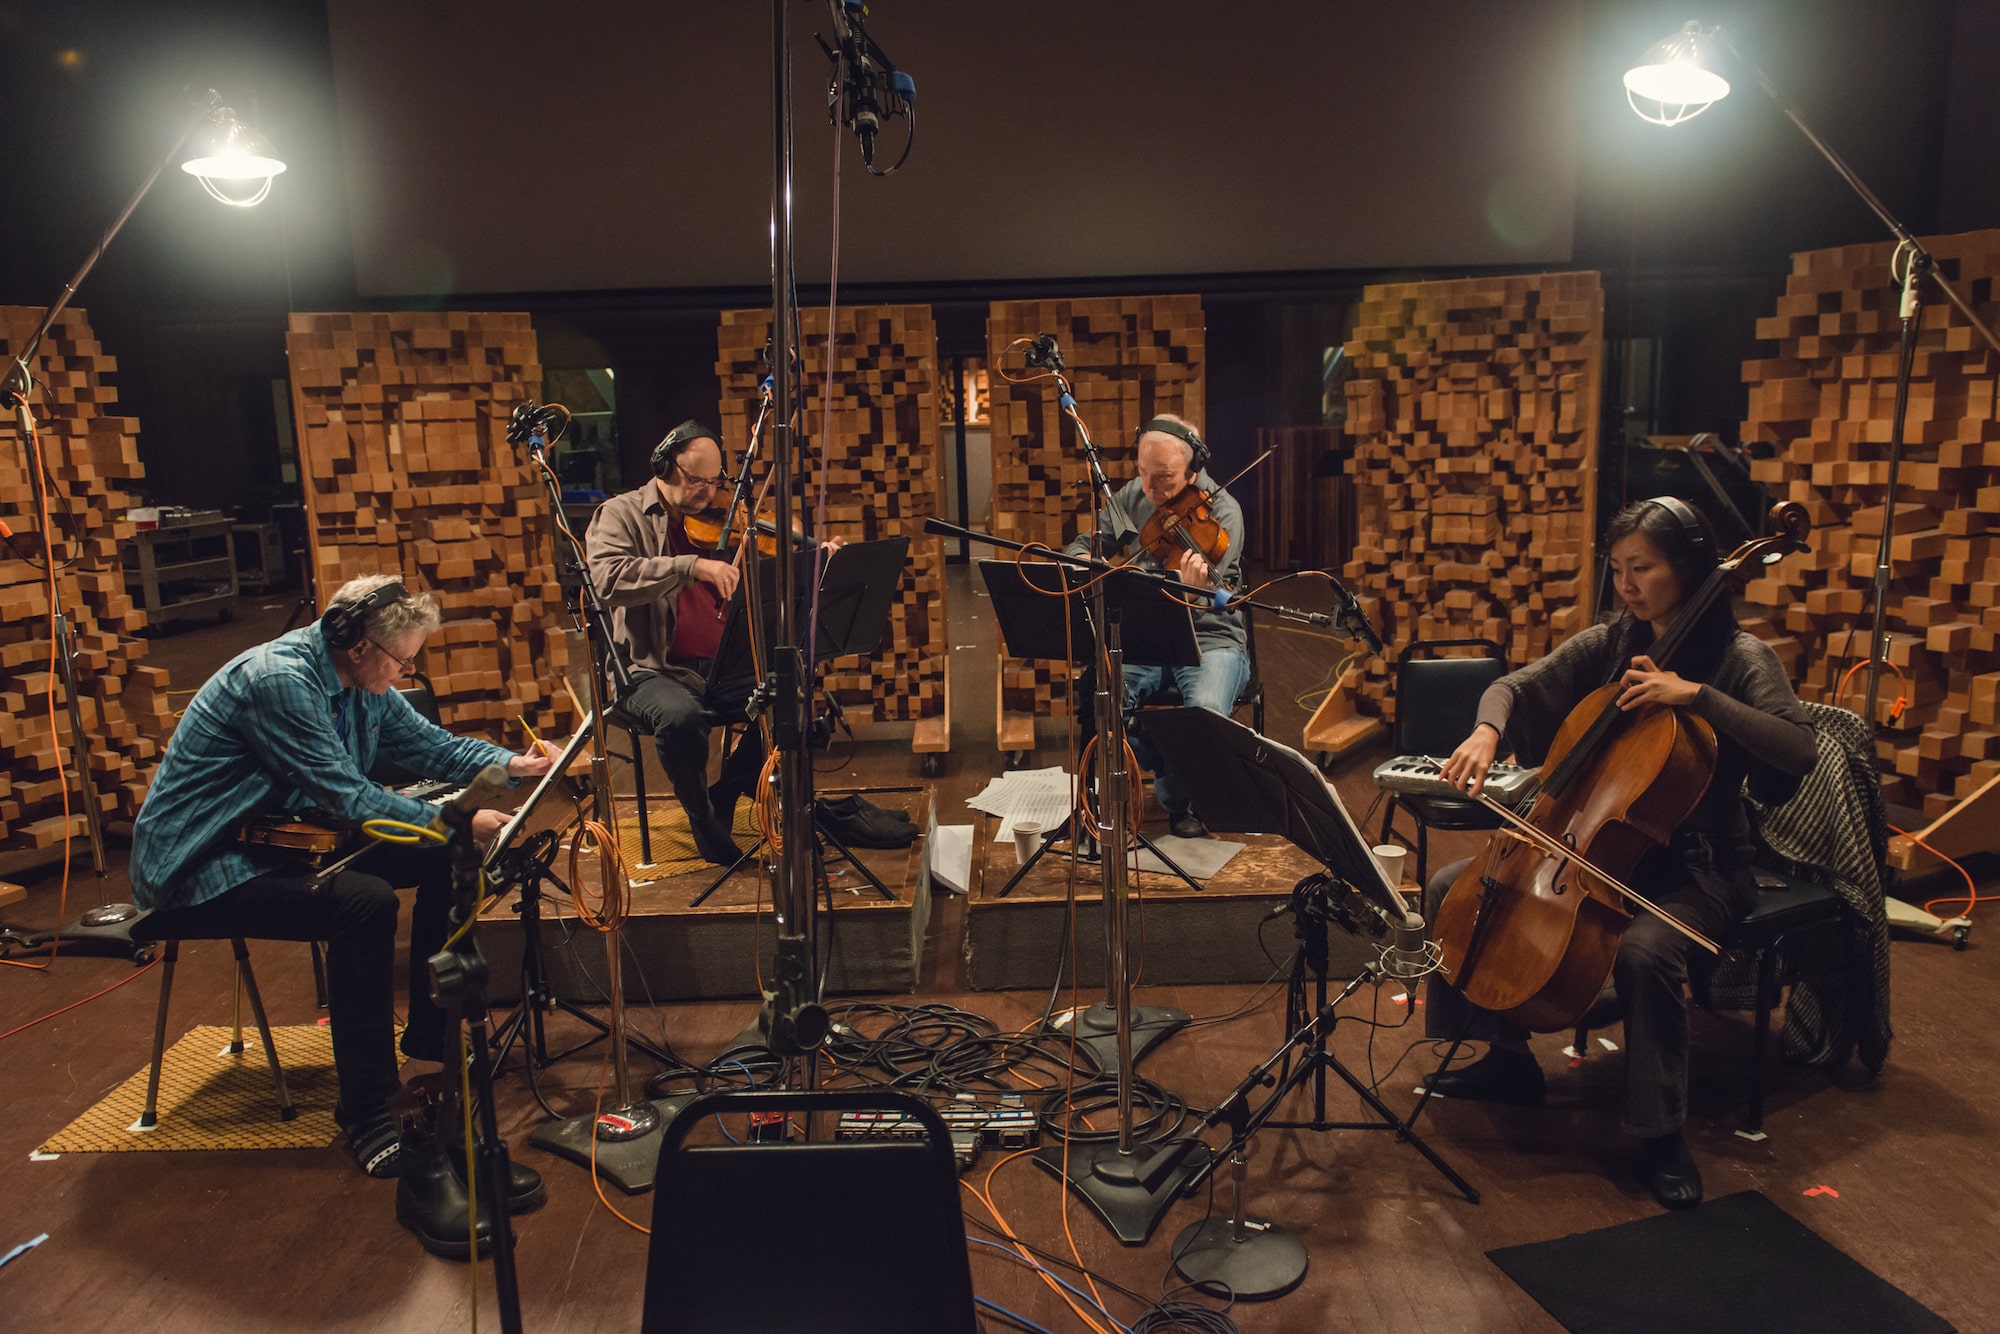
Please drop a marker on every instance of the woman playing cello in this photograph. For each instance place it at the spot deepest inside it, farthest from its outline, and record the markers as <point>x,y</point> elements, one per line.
<point>1661,552</point>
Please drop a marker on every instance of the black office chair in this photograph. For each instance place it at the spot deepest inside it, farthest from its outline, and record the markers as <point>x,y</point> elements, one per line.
<point>1437,706</point>
<point>423,698</point>
<point>1788,907</point>
<point>832,1237</point>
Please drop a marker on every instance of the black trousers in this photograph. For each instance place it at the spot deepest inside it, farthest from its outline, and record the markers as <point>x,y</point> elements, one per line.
<point>1705,885</point>
<point>680,723</point>
<point>355,915</point>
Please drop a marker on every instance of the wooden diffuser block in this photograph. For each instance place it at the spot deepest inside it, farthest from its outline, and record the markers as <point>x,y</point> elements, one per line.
<point>1473,409</point>
<point>884,476</point>
<point>402,421</point>
<point>92,457</point>
<point>1128,359</point>
<point>1826,399</point>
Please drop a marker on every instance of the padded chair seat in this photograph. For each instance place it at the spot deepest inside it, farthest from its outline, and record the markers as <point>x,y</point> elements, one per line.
<point>1779,910</point>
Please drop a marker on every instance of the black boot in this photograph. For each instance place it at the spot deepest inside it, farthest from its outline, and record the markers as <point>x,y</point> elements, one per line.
<point>1670,1171</point>
<point>711,835</point>
<point>525,1190</point>
<point>1498,1076</point>
<point>431,1199</point>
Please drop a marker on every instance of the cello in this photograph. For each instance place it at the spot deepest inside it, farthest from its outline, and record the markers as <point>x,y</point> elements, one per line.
<point>1531,929</point>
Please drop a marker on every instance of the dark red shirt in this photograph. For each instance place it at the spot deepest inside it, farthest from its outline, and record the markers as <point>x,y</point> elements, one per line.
<point>697,609</point>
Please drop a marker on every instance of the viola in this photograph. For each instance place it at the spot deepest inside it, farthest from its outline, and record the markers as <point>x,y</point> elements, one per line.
<point>1187,523</point>
<point>1531,929</point>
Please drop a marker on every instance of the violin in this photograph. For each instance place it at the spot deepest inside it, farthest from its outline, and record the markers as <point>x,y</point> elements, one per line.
<point>1531,930</point>
<point>718,531</point>
<point>1187,523</point>
<point>312,835</point>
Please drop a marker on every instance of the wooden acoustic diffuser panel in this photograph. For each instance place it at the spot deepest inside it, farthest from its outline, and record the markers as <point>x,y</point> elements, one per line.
<point>92,456</point>
<point>402,422</point>
<point>1473,409</point>
<point>1129,359</point>
<point>1826,399</point>
<point>884,475</point>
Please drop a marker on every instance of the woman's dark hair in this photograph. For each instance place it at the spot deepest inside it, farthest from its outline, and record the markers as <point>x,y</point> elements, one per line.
<point>1689,548</point>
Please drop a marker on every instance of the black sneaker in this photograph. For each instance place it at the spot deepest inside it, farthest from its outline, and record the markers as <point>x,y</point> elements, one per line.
<point>1670,1171</point>
<point>1511,1077</point>
<point>1187,825</point>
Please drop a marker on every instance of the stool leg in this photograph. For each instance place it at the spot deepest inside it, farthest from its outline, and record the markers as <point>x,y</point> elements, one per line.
<point>235,1047</point>
<point>319,973</point>
<point>286,1110</point>
<point>639,798</point>
<point>1767,967</point>
<point>150,1117</point>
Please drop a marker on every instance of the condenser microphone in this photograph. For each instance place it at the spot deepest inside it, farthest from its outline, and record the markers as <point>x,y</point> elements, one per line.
<point>1408,955</point>
<point>1043,354</point>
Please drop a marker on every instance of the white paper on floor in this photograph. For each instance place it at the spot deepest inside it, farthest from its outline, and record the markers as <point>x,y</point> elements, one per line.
<point>1201,858</point>
<point>950,851</point>
<point>1038,795</point>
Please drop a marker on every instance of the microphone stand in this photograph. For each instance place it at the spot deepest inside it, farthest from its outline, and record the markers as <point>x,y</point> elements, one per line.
<point>790,1019</point>
<point>1920,264</point>
<point>622,1141</point>
<point>740,492</point>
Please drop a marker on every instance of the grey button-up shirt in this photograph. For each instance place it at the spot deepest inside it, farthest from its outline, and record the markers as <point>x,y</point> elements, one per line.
<point>637,577</point>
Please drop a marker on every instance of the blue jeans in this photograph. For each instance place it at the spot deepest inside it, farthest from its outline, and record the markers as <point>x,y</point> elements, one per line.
<point>1213,685</point>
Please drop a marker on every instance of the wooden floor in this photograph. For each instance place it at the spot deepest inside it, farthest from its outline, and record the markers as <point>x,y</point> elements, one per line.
<point>285,1240</point>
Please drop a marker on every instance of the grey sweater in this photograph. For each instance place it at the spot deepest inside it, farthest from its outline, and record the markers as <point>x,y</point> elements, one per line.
<point>1211,628</point>
<point>1761,729</point>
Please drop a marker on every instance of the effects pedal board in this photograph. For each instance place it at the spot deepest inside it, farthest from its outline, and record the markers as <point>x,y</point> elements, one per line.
<point>1006,1122</point>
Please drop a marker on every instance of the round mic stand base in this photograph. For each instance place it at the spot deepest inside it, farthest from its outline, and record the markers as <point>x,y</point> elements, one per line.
<point>1250,1261</point>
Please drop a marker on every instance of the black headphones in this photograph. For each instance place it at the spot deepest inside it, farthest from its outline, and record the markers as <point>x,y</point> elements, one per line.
<point>345,624</point>
<point>1168,426</point>
<point>669,450</point>
<point>1692,528</point>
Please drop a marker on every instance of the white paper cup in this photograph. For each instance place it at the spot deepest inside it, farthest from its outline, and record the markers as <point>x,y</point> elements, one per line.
<point>1392,856</point>
<point>1028,836</point>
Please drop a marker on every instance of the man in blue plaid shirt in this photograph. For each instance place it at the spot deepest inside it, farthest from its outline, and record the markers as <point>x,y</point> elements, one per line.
<point>296,724</point>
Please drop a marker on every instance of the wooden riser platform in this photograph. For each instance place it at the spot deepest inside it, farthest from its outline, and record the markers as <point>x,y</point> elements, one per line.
<point>1177,936</point>
<point>721,949</point>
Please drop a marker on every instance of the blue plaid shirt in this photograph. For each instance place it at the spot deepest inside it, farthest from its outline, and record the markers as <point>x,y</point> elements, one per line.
<point>273,731</point>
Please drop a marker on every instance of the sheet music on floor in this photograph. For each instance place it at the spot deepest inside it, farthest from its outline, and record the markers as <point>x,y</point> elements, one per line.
<point>1039,795</point>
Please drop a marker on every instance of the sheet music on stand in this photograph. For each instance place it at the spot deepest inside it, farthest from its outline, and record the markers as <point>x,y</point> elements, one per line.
<point>1155,629</point>
<point>522,813</point>
<point>1244,782</point>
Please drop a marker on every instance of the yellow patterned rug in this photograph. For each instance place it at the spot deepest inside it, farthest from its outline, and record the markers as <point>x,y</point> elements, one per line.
<point>673,845</point>
<point>210,1099</point>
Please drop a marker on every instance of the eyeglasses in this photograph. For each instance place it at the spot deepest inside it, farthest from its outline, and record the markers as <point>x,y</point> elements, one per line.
<point>689,479</point>
<point>408,665</point>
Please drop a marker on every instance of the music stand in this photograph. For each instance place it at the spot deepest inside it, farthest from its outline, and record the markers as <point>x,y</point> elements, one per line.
<point>1256,785</point>
<point>1158,630</point>
<point>526,868</point>
<point>857,591</point>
